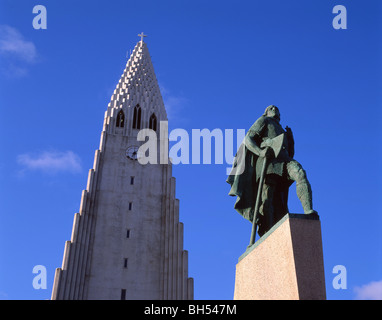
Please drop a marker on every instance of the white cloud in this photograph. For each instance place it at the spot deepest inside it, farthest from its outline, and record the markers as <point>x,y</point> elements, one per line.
<point>12,42</point>
<point>370,291</point>
<point>3,295</point>
<point>51,161</point>
<point>174,104</point>
<point>15,51</point>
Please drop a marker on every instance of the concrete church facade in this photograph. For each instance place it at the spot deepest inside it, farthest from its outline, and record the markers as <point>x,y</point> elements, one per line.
<point>127,241</point>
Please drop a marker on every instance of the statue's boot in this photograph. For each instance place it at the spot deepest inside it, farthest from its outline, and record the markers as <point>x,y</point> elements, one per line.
<point>304,193</point>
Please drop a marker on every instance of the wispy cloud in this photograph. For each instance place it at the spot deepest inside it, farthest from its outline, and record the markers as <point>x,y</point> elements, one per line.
<point>50,162</point>
<point>16,52</point>
<point>3,295</point>
<point>370,291</point>
<point>174,104</point>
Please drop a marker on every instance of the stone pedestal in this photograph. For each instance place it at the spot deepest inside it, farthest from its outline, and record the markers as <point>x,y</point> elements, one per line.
<point>285,264</point>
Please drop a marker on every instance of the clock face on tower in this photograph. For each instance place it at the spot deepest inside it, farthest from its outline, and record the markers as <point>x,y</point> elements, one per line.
<point>132,152</point>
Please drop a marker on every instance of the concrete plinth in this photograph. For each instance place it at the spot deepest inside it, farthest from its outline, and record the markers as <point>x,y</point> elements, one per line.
<point>285,264</point>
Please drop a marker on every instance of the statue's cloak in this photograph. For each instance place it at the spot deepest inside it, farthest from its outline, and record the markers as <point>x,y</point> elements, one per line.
<point>243,184</point>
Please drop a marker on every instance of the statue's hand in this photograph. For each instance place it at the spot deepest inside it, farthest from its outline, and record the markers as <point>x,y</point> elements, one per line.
<point>266,143</point>
<point>267,153</point>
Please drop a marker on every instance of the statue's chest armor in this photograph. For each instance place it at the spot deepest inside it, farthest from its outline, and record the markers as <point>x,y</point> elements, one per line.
<point>273,129</point>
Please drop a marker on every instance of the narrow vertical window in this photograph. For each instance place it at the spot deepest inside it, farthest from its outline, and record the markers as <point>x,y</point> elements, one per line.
<point>153,122</point>
<point>120,119</point>
<point>137,117</point>
<point>130,206</point>
<point>128,233</point>
<point>131,180</point>
<point>125,263</point>
<point>123,294</point>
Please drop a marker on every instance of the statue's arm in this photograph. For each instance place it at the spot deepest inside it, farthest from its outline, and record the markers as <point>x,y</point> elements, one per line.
<point>253,137</point>
<point>251,144</point>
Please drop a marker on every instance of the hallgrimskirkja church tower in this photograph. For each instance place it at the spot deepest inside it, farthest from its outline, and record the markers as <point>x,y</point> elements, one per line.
<point>127,241</point>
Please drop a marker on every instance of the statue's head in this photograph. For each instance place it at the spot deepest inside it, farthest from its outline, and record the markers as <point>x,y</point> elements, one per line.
<point>273,112</point>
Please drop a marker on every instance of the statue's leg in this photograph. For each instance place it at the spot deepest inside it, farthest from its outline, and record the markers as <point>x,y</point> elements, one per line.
<point>267,206</point>
<point>303,188</point>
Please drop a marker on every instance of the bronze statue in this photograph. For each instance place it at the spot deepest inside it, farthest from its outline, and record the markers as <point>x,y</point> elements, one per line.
<point>267,171</point>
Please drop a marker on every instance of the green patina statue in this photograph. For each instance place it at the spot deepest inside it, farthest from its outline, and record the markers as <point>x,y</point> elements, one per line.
<point>263,171</point>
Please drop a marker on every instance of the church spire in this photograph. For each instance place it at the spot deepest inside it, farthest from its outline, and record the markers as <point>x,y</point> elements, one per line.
<point>138,85</point>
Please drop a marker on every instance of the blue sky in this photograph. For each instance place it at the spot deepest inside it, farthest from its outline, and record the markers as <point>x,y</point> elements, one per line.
<point>219,64</point>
